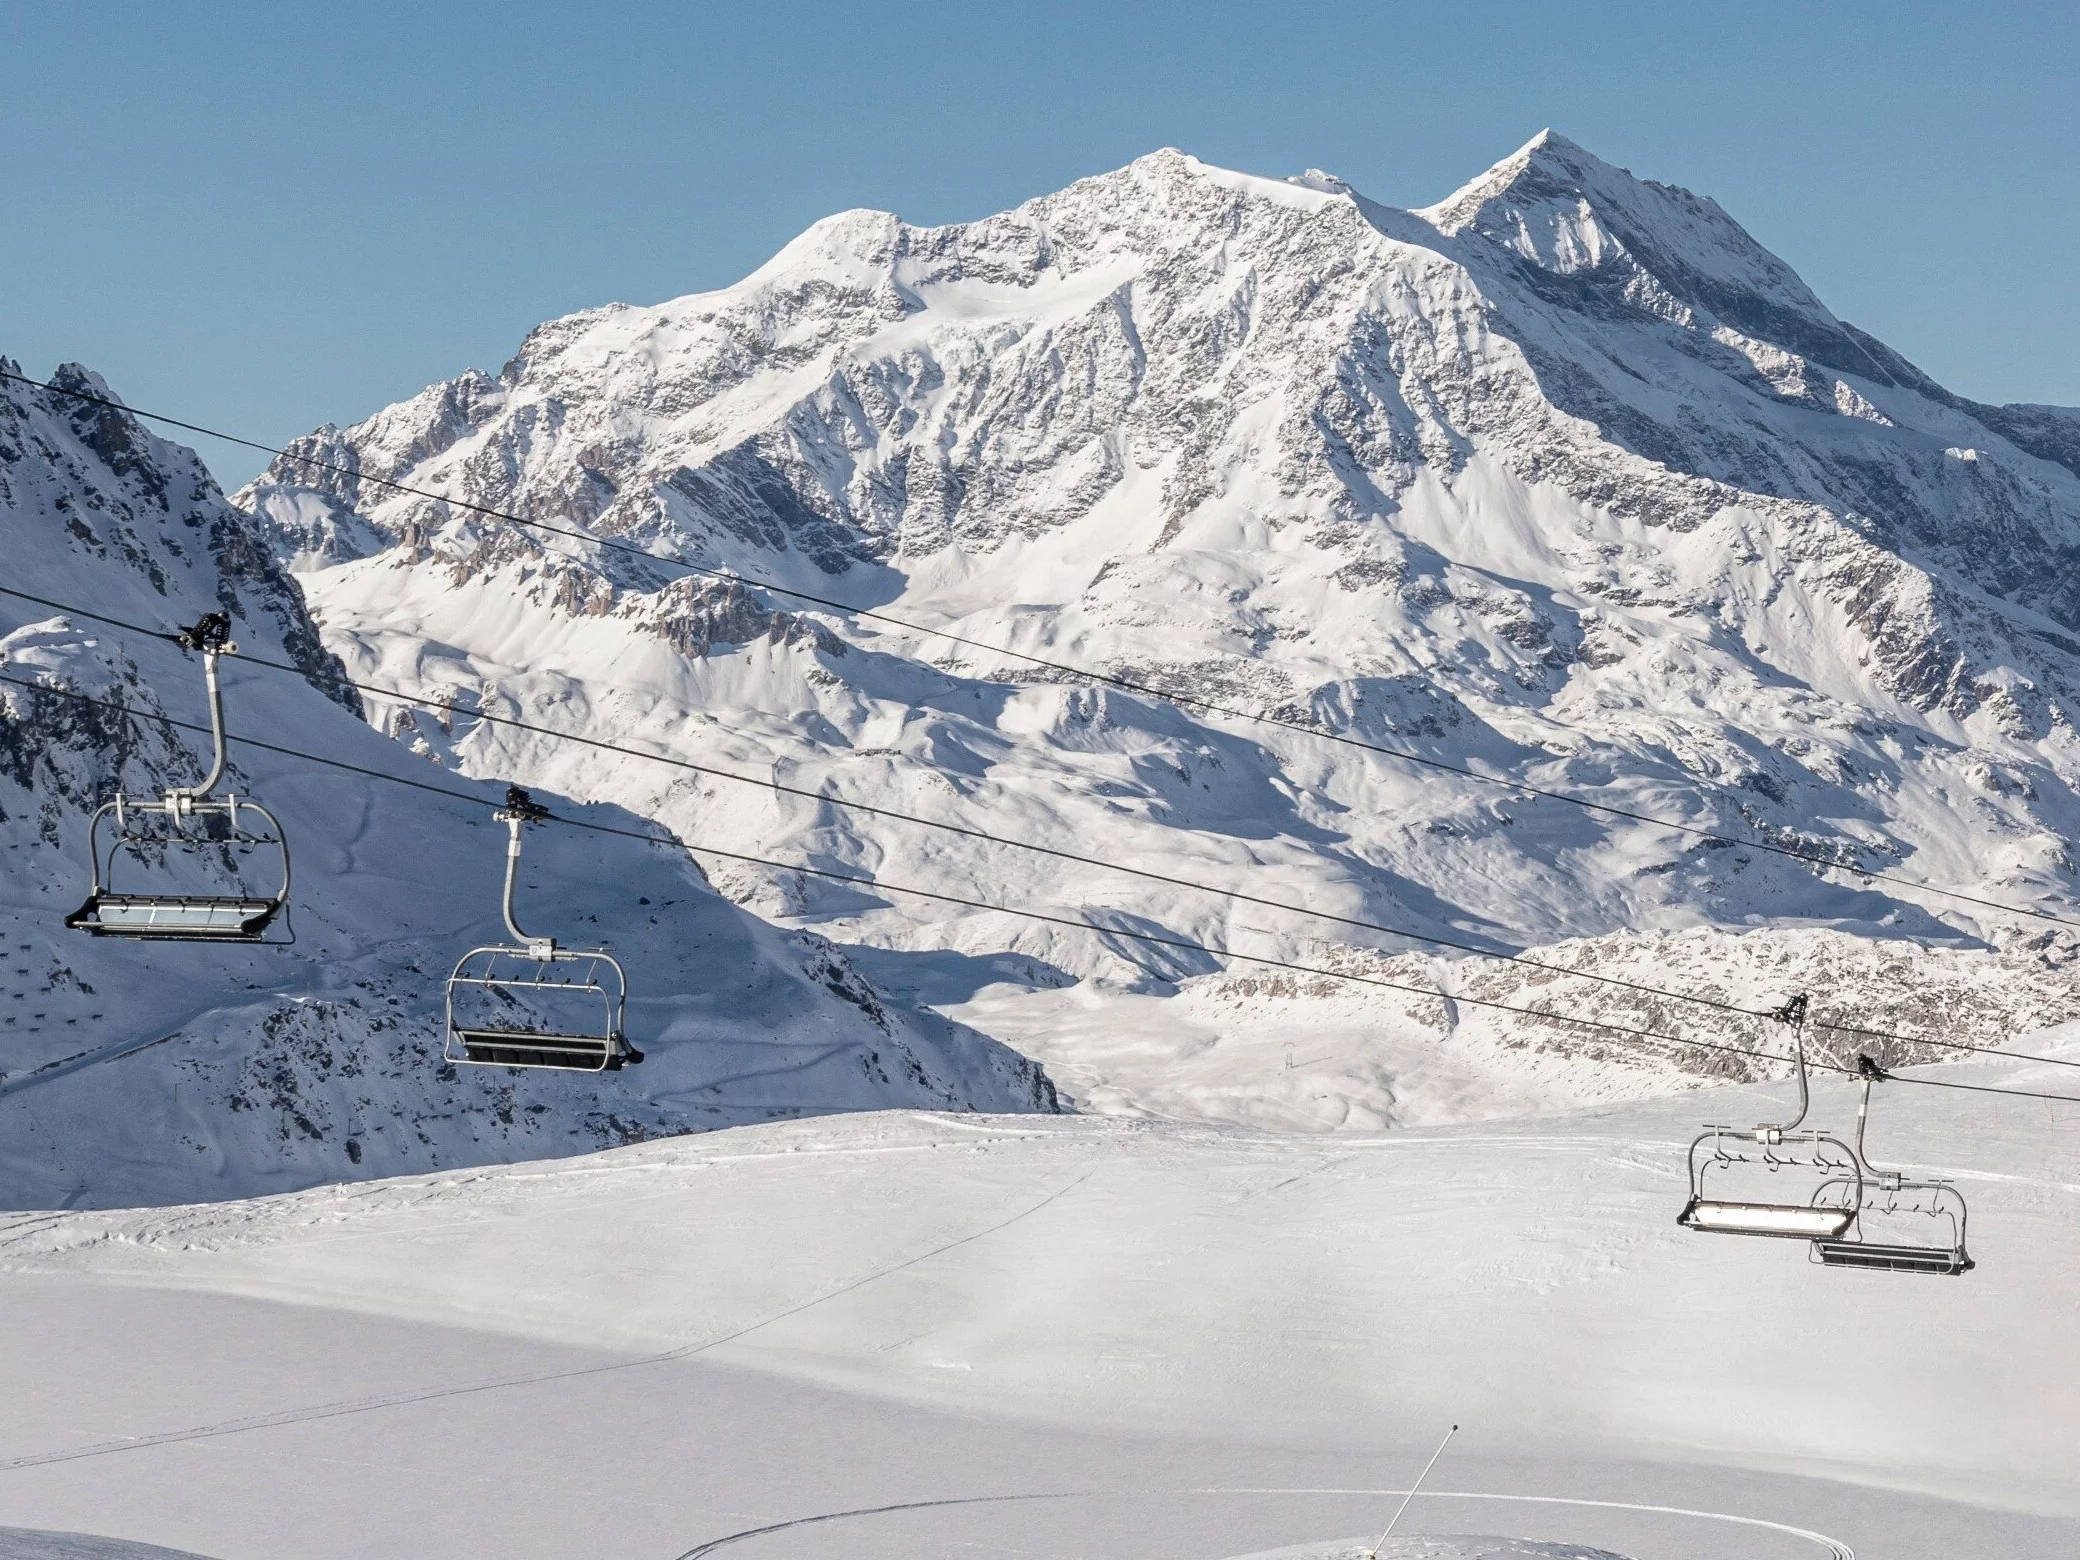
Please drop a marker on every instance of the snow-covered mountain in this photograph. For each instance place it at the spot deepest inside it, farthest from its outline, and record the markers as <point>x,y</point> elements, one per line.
<point>1565,478</point>
<point>170,1072</point>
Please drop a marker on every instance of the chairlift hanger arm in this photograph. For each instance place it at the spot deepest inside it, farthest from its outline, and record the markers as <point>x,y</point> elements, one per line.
<point>181,798</point>
<point>1793,1013</point>
<point>1867,1073</point>
<point>519,811</point>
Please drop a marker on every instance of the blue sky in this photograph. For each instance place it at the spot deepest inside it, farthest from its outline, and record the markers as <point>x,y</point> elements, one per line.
<point>270,215</point>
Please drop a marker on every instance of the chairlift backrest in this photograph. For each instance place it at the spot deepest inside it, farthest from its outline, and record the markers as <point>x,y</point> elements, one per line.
<point>1754,1204</point>
<point>1898,1224</point>
<point>532,1003</point>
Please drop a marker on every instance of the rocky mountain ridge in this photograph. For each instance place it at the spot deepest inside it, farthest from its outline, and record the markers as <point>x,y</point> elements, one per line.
<point>1564,479</point>
<point>142,1072</point>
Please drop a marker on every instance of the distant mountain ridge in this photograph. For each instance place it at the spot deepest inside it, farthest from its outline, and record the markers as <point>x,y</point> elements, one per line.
<point>1565,478</point>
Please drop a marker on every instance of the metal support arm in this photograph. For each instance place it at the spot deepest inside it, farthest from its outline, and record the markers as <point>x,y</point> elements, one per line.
<point>1794,1014</point>
<point>1869,1072</point>
<point>211,636</point>
<point>519,811</point>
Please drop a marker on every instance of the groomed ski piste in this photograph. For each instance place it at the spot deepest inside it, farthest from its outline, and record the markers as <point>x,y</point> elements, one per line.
<point>904,1333</point>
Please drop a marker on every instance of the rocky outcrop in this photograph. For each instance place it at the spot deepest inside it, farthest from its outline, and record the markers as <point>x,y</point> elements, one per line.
<point>1565,479</point>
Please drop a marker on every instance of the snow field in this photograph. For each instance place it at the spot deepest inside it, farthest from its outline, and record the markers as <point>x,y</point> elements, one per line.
<point>1251,1310</point>
<point>27,1544</point>
<point>1438,1548</point>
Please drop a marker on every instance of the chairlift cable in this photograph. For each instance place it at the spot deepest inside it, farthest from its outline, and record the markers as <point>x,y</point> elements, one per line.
<point>860,880</point>
<point>102,617</point>
<point>946,826</point>
<point>1058,853</point>
<point>1109,679</point>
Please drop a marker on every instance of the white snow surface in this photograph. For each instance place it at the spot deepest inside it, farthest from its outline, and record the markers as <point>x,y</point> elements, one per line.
<point>29,1544</point>
<point>1437,1548</point>
<point>170,1072</point>
<point>1565,479</point>
<point>911,1333</point>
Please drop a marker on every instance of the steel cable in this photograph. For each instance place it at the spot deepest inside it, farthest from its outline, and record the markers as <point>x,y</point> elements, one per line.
<point>774,784</point>
<point>1088,674</point>
<point>1216,951</point>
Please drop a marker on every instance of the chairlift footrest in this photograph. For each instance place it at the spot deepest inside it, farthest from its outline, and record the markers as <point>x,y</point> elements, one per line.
<point>176,917</point>
<point>1875,1257</point>
<point>564,1053</point>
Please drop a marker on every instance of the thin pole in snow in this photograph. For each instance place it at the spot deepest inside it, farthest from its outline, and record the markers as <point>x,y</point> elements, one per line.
<point>1373,1552</point>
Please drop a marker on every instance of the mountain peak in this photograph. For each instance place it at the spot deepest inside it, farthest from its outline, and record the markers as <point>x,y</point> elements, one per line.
<point>1168,172</point>
<point>1550,145</point>
<point>1326,183</point>
<point>1550,165</point>
<point>1547,159</point>
<point>1560,208</point>
<point>1166,158</point>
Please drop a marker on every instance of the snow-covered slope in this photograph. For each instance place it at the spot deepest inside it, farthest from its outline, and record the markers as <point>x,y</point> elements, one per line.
<point>1436,1548</point>
<point>1062,1337</point>
<point>1565,478</point>
<point>36,1544</point>
<point>155,1073</point>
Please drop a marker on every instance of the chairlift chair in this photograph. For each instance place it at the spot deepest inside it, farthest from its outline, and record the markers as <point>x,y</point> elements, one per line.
<point>196,822</point>
<point>532,1003</point>
<point>1897,1225</point>
<point>1725,1160</point>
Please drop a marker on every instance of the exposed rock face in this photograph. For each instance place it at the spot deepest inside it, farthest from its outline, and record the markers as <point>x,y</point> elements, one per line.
<point>172,1072</point>
<point>1565,478</point>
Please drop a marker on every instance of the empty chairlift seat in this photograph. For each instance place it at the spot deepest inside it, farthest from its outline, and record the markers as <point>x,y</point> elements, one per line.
<point>508,1007</point>
<point>1790,1220</point>
<point>175,917</point>
<point>1887,1257</point>
<point>532,1003</point>
<point>1767,1180</point>
<point>1896,1224</point>
<point>526,1048</point>
<point>163,851</point>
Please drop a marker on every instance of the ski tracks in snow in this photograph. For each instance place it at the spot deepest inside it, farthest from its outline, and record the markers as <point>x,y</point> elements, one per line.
<point>1836,1549</point>
<point>340,1410</point>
